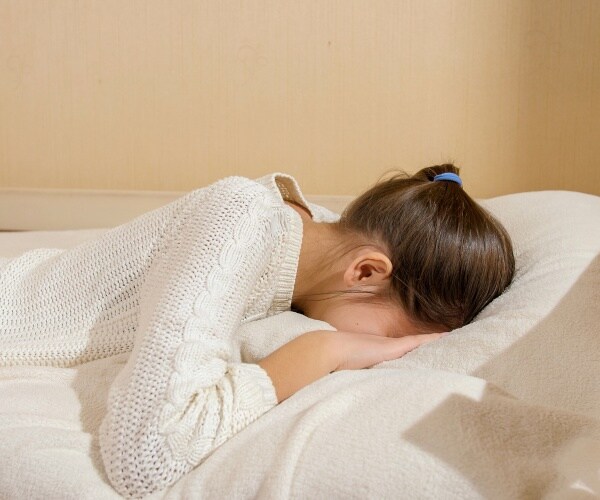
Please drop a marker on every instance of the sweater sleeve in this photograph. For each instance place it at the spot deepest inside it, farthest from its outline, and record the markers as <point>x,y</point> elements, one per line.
<point>181,394</point>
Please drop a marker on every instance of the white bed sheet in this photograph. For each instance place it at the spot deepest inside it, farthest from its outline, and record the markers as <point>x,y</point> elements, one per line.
<point>507,407</point>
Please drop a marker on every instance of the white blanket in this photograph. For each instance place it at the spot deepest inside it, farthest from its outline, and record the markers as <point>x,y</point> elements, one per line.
<point>507,407</point>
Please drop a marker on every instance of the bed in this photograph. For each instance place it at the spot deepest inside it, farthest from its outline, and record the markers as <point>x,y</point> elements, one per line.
<point>506,407</point>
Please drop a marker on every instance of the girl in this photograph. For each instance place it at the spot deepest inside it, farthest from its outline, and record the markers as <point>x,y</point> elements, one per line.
<point>411,258</point>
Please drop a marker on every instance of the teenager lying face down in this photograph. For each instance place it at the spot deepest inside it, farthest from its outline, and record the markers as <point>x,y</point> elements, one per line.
<point>410,259</point>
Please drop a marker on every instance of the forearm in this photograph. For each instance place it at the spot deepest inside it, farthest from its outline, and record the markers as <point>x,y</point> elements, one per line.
<point>301,362</point>
<point>315,354</point>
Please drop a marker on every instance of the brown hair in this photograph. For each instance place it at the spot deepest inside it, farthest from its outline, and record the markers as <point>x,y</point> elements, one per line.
<point>450,256</point>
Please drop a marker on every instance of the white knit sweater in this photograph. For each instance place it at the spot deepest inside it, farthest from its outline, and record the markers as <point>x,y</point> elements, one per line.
<point>172,287</point>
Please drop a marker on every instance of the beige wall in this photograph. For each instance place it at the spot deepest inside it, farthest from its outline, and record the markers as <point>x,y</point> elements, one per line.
<point>170,95</point>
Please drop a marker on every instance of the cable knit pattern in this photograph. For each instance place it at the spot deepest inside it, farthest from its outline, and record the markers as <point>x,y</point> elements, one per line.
<point>172,287</point>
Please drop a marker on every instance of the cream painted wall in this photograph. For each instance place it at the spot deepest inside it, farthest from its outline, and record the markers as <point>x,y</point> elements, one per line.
<point>171,95</point>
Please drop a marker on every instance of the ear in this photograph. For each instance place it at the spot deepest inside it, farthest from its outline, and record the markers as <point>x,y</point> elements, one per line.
<point>370,267</point>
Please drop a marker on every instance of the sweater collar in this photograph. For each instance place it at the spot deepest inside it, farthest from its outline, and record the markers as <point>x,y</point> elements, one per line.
<point>287,187</point>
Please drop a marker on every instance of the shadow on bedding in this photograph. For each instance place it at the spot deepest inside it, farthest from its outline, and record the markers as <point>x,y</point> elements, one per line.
<point>528,435</point>
<point>557,362</point>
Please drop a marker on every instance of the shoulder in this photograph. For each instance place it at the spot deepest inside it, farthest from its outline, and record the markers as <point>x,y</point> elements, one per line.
<point>237,184</point>
<point>239,192</point>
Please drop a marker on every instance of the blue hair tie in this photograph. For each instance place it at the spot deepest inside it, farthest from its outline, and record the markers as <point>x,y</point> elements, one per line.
<point>448,176</point>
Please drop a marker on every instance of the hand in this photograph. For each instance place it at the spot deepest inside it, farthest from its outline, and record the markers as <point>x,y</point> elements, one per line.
<point>360,350</point>
<point>315,354</point>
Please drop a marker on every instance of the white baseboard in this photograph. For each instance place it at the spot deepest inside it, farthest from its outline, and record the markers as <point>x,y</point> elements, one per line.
<point>58,209</point>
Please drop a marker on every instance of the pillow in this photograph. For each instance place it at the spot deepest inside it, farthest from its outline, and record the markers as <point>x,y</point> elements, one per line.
<point>540,340</point>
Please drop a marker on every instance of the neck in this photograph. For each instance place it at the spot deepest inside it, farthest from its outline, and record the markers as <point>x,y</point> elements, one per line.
<point>317,269</point>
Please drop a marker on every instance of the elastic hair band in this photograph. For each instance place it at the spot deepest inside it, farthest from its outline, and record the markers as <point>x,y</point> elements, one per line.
<point>448,176</point>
